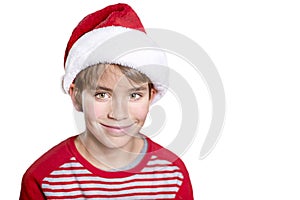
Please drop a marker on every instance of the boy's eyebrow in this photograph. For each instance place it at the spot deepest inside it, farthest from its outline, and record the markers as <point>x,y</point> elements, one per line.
<point>99,87</point>
<point>103,88</point>
<point>138,88</point>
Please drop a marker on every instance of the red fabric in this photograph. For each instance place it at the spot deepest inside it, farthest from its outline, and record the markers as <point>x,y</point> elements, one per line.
<point>114,15</point>
<point>45,178</point>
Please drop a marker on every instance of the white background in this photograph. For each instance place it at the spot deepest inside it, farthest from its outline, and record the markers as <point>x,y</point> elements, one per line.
<point>255,46</point>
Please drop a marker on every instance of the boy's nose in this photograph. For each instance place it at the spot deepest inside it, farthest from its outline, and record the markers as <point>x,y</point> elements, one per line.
<point>119,110</point>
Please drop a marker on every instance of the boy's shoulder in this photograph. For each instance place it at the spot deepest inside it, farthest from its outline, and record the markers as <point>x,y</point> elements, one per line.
<point>159,152</point>
<point>50,160</point>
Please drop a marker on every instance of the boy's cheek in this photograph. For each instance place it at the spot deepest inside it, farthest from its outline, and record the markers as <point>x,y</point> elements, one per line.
<point>92,109</point>
<point>99,110</point>
<point>139,112</point>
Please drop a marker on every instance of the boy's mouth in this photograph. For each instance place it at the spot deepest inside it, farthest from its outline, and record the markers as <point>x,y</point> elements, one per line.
<point>117,127</point>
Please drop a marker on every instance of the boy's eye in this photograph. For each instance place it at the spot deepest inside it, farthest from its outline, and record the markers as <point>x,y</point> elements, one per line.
<point>102,95</point>
<point>135,96</point>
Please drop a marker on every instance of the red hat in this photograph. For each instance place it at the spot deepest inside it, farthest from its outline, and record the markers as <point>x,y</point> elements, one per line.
<point>114,35</point>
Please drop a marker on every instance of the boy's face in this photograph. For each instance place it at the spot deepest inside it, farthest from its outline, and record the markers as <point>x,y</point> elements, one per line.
<point>117,109</point>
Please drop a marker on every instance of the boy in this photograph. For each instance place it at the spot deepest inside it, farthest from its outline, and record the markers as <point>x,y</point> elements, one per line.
<point>111,159</point>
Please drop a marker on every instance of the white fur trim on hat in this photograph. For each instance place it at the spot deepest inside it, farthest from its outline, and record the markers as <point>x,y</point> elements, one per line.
<point>118,45</point>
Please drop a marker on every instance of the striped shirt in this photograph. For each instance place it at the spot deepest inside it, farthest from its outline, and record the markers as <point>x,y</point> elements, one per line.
<point>62,173</point>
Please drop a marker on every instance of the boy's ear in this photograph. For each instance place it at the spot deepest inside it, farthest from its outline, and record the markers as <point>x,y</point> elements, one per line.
<point>153,93</point>
<point>73,91</point>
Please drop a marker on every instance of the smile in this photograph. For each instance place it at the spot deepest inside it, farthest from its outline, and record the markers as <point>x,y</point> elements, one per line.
<point>116,127</point>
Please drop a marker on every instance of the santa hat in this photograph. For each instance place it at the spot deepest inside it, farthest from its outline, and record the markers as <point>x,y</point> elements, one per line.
<point>115,35</point>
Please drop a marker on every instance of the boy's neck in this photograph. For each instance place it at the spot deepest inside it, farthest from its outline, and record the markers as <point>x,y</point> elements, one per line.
<point>106,158</point>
